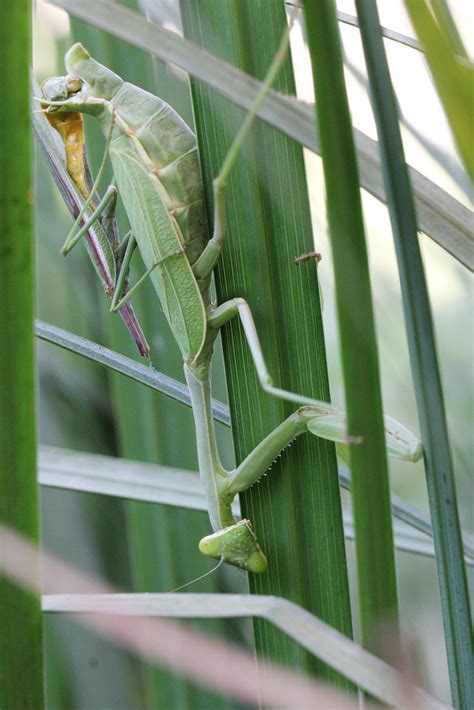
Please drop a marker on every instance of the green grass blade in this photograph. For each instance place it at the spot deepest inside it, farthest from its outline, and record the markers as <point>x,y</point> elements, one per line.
<point>453,77</point>
<point>123,365</point>
<point>176,390</point>
<point>421,341</point>
<point>21,655</point>
<point>386,31</point>
<point>409,514</point>
<point>122,478</point>
<point>442,15</point>
<point>370,487</point>
<point>370,673</point>
<point>440,216</point>
<point>296,509</point>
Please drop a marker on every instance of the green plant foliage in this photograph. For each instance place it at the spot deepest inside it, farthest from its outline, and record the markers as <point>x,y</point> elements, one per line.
<point>427,380</point>
<point>450,67</point>
<point>440,215</point>
<point>268,219</point>
<point>21,655</point>
<point>137,522</point>
<point>370,487</point>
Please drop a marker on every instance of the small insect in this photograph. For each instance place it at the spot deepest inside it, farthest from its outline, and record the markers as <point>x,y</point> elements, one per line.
<point>306,257</point>
<point>156,170</point>
<point>102,238</point>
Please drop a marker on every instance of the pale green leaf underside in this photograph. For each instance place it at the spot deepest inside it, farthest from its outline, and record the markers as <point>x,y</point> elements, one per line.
<point>365,670</point>
<point>106,475</point>
<point>147,376</point>
<point>176,390</point>
<point>440,216</point>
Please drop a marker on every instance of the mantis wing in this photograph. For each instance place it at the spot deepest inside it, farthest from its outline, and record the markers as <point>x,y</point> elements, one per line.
<point>158,241</point>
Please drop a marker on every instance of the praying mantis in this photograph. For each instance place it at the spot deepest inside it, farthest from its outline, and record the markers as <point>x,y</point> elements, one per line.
<point>156,170</point>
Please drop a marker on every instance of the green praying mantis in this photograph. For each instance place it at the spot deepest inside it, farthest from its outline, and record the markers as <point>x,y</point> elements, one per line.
<point>156,169</point>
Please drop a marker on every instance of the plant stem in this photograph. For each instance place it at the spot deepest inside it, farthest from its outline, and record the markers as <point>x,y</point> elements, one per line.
<point>426,376</point>
<point>21,681</point>
<point>296,509</point>
<point>370,486</point>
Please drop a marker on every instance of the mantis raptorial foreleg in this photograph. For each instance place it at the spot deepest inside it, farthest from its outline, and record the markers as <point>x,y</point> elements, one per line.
<point>156,168</point>
<point>107,202</point>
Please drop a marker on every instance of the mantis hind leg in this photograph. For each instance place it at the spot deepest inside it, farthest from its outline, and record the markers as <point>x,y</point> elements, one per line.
<point>320,418</point>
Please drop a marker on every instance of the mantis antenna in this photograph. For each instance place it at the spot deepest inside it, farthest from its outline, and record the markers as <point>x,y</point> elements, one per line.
<point>197,579</point>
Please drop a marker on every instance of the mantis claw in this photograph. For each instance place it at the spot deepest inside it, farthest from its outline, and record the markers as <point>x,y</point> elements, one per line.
<point>401,443</point>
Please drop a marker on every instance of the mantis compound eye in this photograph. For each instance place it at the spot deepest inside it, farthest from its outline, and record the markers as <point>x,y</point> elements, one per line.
<point>55,89</point>
<point>237,545</point>
<point>60,88</point>
<point>257,562</point>
<point>74,85</point>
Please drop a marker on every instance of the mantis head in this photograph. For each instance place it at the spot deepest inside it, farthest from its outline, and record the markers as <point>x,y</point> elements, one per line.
<point>86,81</point>
<point>60,89</point>
<point>237,545</point>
